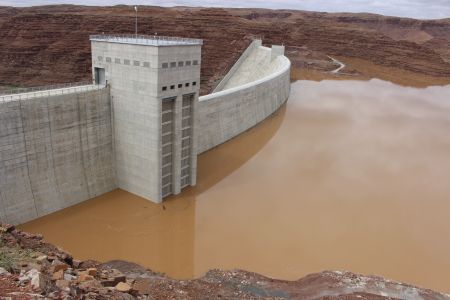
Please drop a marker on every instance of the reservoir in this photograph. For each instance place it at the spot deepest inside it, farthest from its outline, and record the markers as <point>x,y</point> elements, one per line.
<point>348,175</point>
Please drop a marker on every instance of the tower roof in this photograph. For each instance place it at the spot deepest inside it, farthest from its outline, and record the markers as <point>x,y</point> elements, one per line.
<point>146,40</point>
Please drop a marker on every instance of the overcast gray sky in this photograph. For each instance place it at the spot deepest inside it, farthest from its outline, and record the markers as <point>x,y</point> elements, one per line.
<point>421,9</point>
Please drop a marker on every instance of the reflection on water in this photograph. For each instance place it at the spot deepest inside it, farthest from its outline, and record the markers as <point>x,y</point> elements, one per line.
<point>348,175</point>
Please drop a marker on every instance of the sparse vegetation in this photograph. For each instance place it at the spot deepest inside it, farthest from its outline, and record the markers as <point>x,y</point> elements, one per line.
<point>7,261</point>
<point>11,257</point>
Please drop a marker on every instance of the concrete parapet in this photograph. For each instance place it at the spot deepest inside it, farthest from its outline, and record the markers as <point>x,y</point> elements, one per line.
<point>277,51</point>
<point>254,45</point>
<point>227,113</point>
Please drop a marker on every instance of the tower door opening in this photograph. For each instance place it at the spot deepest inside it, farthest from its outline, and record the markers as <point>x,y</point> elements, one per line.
<point>100,76</point>
<point>167,124</point>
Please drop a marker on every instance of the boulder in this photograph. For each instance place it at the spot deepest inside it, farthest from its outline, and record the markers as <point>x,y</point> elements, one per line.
<point>69,277</point>
<point>92,271</point>
<point>63,284</point>
<point>76,263</point>
<point>58,275</point>
<point>58,265</point>
<point>36,279</point>
<point>90,285</point>
<point>85,277</point>
<point>111,277</point>
<point>4,271</point>
<point>142,285</point>
<point>41,259</point>
<point>123,287</point>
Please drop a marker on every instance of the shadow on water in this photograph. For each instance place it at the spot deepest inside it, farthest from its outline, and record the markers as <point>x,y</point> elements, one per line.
<point>221,161</point>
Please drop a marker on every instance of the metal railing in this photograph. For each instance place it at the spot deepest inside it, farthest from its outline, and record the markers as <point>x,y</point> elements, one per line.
<point>48,90</point>
<point>153,40</point>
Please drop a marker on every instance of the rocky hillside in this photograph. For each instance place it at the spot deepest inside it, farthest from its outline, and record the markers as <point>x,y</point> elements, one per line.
<point>33,269</point>
<point>43,45</point>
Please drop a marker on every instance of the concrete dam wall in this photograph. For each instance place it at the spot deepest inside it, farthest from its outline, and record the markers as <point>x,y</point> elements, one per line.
<point>60,147</point>
<point>256,86</point>
<point>55,152</point>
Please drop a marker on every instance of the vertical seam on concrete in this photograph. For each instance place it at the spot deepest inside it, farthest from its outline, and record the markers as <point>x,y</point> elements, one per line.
<point>113,135</point>
<point>90,169</point>
<point>80,134</point>
<point>26,157</point>
<point>51,146</point>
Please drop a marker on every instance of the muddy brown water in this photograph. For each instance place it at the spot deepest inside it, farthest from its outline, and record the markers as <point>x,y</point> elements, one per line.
<point>347,175</point>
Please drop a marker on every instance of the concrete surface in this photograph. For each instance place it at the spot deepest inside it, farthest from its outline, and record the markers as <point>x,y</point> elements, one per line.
<point>254,45</point>
<point>141,75</point>
<point>54,152</point>
<point>254,90</point>
<point>258,63</point>
<point>50,92</point>
<point>58,150</point>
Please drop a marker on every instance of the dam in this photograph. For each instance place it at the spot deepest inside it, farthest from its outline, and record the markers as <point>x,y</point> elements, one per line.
<point>340,178</point>
<point>138,126</point>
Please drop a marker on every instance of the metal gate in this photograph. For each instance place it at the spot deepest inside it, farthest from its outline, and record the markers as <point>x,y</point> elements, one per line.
<point>186,140</point>
<point>167,125</point>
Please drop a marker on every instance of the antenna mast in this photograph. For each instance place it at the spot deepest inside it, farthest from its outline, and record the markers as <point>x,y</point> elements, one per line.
<point>135,25</point>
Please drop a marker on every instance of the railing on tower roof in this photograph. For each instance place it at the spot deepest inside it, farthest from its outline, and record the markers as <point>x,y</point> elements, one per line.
<point>151,40</point>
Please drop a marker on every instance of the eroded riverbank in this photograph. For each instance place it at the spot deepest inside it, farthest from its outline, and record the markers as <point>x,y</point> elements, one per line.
<point>348,175</point>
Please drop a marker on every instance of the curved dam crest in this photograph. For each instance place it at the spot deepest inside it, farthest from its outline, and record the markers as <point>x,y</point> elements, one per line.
<point>58,150</point>
<point>244,98</point>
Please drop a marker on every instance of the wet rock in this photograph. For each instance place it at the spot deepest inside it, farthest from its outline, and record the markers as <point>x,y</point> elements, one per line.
<point>123,287</point>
